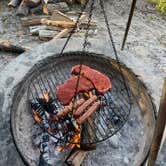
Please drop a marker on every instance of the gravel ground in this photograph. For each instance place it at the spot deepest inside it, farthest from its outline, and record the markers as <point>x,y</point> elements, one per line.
<point>146,41</point>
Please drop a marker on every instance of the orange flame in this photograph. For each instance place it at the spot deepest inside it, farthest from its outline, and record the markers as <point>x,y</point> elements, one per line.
<point>36,117</point>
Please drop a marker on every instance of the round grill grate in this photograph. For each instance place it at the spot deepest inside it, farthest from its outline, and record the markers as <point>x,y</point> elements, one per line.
<point>106,121</point>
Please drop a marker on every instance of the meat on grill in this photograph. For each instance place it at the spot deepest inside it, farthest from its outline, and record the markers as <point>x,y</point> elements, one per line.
<point>100,81</point>
<point>88,112</point>
<point>66,91</point>
<point>84,106</point>
<point>68,109</point>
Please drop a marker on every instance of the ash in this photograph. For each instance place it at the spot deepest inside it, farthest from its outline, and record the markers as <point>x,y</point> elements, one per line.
<point>122,147</point>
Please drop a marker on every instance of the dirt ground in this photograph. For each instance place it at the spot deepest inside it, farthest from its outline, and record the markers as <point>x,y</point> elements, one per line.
<point>146,41</point>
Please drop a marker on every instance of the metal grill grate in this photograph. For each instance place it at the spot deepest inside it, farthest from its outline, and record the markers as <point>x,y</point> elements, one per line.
<point>115,104</point>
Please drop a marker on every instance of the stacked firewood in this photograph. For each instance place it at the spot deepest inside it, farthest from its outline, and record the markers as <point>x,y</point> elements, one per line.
<point>52,19</point>
<point>24,6</point>
<point>59,25</point>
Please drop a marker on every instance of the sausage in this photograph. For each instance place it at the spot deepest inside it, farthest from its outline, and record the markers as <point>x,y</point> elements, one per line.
<point>88,113</point>
<point>68,109</point>
<point>83,107</point>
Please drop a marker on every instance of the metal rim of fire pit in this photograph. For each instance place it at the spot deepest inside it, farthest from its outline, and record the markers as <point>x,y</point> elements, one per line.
<point>107,121</point>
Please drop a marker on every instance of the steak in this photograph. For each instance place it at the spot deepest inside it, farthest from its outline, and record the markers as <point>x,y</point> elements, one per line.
<point>66,91</point>
<point>100,81</point>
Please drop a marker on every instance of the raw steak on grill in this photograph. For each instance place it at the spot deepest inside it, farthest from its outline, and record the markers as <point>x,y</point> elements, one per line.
<point>66,91</point>
<point>100,81</point>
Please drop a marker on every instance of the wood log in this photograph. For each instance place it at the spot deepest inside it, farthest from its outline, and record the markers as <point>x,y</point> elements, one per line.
<point>63,24</point>
<point>35,20</point>
<point>88,134</point>
<point>61,6</point>
<point>76,157</point>
<point>14,3</point>
<point>63,33</point>
<point>59,16</point>
<point>34,30</point>
<point>25,6</point>
<point>46,35</point>
<point>23,9</point>
<point>160,126</point>
<point>67,24</point>
<point>8,47</point>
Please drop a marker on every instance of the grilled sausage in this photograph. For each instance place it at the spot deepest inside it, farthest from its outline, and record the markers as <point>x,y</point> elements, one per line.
<point>88,113</point>
<point>68,109</point>
<point>83,107</point>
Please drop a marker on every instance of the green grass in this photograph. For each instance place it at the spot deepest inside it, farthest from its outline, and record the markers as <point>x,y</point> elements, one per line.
<point>160,5</point>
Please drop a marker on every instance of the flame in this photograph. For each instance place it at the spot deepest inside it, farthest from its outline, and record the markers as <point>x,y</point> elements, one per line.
<point>36,117</point>
<point>45,96</point>
<point>75,139</point>
<point>59,148</point>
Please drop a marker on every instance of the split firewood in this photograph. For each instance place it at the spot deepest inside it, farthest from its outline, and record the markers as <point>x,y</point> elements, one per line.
<point>63,24</point>
<point>88,134</point>
<point>88,113</point>
<point>59,16</point>
<point>25,6</point>
<point>63,33</point>
<point>14,3</point>
<point>61,6</point>
<point>76,157</point>
<point>8,47</point>
<point>69,108</point>
<point>46,35</point>
<point>36,20</point>
<point>34,30</point>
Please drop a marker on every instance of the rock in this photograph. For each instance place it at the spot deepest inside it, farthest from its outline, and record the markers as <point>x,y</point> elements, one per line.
<point>126,160</point>
<point>114,141</point>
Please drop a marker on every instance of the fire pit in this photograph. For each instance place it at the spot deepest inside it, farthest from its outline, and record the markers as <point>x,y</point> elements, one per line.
<point>25,129</point>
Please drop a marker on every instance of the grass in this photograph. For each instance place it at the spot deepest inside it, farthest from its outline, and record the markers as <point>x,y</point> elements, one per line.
<point>160,5</point>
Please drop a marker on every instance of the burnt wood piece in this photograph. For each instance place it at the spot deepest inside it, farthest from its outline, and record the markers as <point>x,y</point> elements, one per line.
<point>88,134</point>
<point>88,113</point>
<point>14,3</point>
<point>25,6</point>
<point>36,20</point>
<point>160,126</point>
<point>69,108</point>
<point>84,106</point>
<point>8,47</point>
<point>66,24</point>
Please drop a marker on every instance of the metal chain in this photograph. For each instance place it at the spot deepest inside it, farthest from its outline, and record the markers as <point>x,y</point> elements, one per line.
<point>75,26</point>
<point>88,25</point>
<point>113,45</point>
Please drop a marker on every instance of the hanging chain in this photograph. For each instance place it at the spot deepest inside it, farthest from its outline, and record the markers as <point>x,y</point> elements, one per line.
<point>75,26</point>
<point>113,45</point>
<point>84,47</point>
<point>88,25</point>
